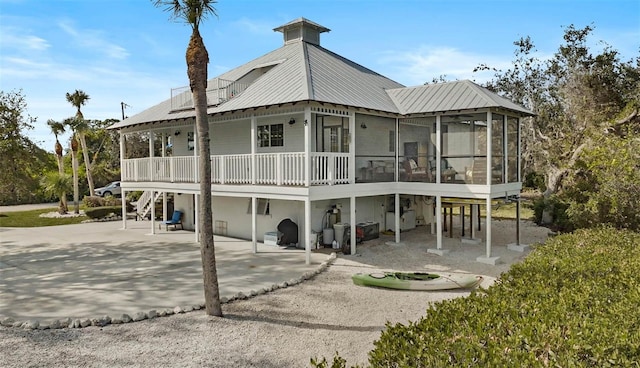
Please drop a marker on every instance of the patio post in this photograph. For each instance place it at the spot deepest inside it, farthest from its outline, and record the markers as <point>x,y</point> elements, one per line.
<point>307,231</point>
<point>438,250</point>
<point>123,198</point>
<point>353,225</point>
<point>197,217</point>
<point>254,225</point>
<point>397,217</point>
<point>153,212</point>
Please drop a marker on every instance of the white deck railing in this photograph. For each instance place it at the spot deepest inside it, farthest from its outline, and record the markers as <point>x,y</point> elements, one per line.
<point>270,169</point>
<point>218,91</point>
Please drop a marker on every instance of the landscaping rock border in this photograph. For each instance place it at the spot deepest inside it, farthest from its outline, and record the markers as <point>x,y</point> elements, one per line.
<point>35,324</point>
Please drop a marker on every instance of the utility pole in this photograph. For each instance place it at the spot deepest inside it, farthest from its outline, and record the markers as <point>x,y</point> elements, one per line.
<point>123,105</point>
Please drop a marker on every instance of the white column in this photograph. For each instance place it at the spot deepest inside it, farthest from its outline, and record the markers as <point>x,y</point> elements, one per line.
<point>307,148</point>
<point>123,197</point>
<point>396,168</point>
<point>439,222</point>
<point>353,224</point>
<point>487,258</point>
<point>153,212</point>
<point>195,154</point>
<point>307,231</point>
<point>151,154</point>
<point>254,143</point>
<point>487,228</point>
<point>122,152</point>
<point>164,194</point>
<point>489,148</point>
<point>438,156</point>
<point>438,250</point>
<point>197,216</point>
<point>352,150</point>
<point>397,217</point>
<point>254,225</point>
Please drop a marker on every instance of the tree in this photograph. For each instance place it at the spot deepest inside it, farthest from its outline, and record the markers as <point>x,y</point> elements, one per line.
<point>57,128</point>
<point>23,162</point>
<point>193,12</point>
<point>56,184</point>
<point>576,96</point>
<point>73,146</point>
<point>80,128</point>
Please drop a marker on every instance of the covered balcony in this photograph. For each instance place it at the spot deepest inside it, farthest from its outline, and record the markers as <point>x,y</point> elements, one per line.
<point>289,168</point>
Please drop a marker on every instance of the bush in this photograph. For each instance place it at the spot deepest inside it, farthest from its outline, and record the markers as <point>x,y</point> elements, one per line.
<point>102,212</point>
<point>559,218</point>
<point>572,302</point>
<point>92,201</point>
<point>535,181</point>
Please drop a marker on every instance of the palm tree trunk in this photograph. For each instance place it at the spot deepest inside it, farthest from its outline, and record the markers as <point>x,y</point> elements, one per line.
<point>197,60</point>
<point>74,166</point>
<point>63,195</point>
<point>87,162</point>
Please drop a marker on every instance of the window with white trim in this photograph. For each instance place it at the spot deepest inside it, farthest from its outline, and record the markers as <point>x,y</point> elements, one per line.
<point>271,135</point>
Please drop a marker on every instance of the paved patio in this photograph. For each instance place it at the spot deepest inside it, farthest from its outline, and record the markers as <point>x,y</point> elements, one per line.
<point>95,269</point>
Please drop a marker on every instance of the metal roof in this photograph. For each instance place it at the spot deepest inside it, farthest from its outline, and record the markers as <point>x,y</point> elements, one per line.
<point>303,71</point>
<point>451,96</point>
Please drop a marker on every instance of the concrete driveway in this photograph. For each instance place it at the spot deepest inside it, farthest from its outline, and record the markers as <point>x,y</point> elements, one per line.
<point>96,269</point>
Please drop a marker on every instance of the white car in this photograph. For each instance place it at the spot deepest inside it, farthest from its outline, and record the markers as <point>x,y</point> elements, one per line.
<point>113,189</point>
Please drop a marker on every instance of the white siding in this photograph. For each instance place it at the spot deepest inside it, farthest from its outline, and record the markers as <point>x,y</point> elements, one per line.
<point>229,138</point>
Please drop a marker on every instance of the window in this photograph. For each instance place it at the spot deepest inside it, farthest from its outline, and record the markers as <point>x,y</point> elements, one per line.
<point>271,135</point>
<point>262,207</point>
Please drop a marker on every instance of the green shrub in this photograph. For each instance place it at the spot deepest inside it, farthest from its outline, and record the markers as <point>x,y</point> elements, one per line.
<point>102,212</point>
<point>560,220</point>
<point>572,302</point>
<point>534,180</point>
<point>92,201</point>
<point>112,201</point>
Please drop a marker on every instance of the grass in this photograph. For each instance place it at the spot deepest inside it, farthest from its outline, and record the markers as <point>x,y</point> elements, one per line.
<point>32,219</point>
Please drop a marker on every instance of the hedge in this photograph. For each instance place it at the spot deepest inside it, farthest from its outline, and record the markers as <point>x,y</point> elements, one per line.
<point>573,302</point>
<point>100,212</point>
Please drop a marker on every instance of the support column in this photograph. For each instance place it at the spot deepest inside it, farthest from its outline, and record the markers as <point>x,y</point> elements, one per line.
<point>254,143</point>
<point>307,147</point>
<point>354,229</point>
<point>153,212</point>
<point>254,225</point>
<point>396,218</point>
<point>517,246</point>
<point>196,205</point>
<point>151,154</point>
<point>438,250</point>
<point>123,197</point>
<point>307,231</point>
<point>487,258</point>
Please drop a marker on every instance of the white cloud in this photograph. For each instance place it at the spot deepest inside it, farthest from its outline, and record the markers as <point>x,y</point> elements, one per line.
<point>423,64</point>
<point>94,40</point>
<point>253,26</point>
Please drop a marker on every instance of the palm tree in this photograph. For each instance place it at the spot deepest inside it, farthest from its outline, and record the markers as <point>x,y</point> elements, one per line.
<point>57,128</point>
<point>193,12</point>
<point>56,184</point>
<point>73,143</point>
<point>77,99</point>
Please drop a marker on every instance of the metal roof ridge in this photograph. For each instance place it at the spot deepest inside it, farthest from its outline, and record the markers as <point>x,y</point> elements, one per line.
<point>307,71</point>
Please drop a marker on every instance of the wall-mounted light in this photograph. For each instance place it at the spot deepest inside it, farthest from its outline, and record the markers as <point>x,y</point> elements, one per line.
<point>305,122</point>
<point>292,121</point>
<point>363,125</point>
<point>177,133</point>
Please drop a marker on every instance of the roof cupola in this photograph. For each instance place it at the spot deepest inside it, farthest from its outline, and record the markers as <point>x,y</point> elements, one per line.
<point>301,29</point>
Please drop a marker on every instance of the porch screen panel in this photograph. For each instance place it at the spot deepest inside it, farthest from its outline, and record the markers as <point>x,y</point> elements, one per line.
<point>497,148</point>
<point>513,141</point>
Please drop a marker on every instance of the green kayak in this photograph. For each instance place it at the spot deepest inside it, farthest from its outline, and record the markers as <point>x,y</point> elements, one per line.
<point>416,280</point>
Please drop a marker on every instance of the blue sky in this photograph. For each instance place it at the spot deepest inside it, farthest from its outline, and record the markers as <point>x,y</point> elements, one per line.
<point>129,51</point>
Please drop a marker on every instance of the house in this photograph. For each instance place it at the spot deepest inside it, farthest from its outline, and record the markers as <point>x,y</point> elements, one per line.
<point>302,133</point>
